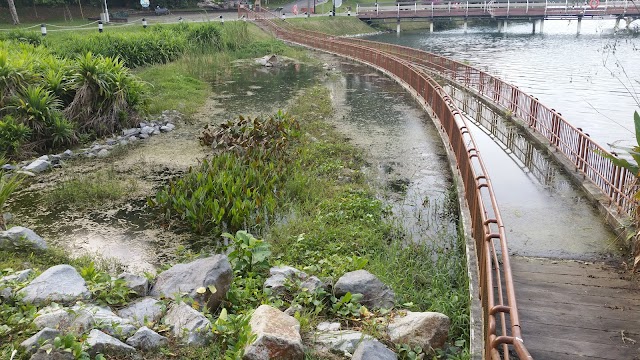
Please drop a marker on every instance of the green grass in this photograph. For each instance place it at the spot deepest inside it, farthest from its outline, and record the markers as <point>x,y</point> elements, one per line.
<point>91,189</point>
<point>172,87</point>
<point>333,25</point>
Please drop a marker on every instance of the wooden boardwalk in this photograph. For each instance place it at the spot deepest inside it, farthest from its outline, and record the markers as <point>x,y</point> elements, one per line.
<point>577,310</point>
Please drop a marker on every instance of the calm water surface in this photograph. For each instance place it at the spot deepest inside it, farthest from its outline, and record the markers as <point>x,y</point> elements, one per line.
<point>593,79</point>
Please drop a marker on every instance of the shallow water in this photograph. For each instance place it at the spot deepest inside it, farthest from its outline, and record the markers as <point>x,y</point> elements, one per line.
<point>408,160</point>
<point>128,232</point>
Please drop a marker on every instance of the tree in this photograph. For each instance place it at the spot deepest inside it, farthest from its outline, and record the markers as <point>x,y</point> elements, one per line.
<point>14,13</point>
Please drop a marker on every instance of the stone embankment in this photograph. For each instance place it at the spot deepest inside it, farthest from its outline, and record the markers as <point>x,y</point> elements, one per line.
<point>67,306</point>
<point>163,124</point>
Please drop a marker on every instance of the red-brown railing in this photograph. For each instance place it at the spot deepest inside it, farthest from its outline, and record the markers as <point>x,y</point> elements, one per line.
<point>575,144</point>
<point>502,331</point>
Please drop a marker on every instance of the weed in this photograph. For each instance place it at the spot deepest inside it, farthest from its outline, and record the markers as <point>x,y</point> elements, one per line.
<point>87,190</point>
<point>104,288</point>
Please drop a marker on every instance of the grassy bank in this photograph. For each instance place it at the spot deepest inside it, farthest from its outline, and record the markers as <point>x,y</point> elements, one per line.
<point>333,25</point>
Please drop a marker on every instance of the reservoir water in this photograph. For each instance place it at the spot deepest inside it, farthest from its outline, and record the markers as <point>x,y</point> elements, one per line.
<point>593,78</point>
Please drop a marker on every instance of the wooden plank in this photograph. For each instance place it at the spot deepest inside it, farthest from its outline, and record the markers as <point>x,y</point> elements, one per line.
<point>567,332</point>
<point>544,354</point>
<point>580,349</point>
<point>615,293</point>
<point>608,311</point>
<point>578,320</point>
<point>565,267</point>
<point>533,293</point>
<point>584,280</point>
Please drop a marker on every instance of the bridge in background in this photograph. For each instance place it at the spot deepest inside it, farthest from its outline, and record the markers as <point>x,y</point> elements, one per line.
<point>502,11</point>
<point>572,309</point>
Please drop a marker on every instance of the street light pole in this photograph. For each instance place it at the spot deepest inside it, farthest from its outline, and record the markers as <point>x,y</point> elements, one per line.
<point>334,8</point>
<point>106,12</point>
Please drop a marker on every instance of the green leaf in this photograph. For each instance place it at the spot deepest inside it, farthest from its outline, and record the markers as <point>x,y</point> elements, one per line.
<point>636,120</point>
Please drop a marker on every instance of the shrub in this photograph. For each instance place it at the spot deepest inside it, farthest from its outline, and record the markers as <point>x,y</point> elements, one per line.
<point>13,135</point>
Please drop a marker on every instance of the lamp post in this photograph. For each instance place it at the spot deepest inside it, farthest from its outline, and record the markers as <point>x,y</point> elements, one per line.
<point>106,12</point>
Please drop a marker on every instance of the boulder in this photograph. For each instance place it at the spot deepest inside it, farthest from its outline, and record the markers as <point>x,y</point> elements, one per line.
<point>19,276</point>
<point>99,342</point>
<point>188,278</point>
<point>147,339</point>
<point>339,342</point>
<point>60,283</point>
<point>103,153</point>
<point>47,352</point>
<point>32,344</point>
<point>279,275</point>
<point>188,324</point>
<point>168,127</point>
<point>138,284</point>
<point>277,336</point>
<point>107,321</point>
<point>328,326</point>
<point>148,130</point>
<point>425,329</point>
<point>313,283</point>
<point>143,311</point>
<point>8,167</point>
<point>38,166</point>
<point>67,153</point>
<point>373,350</point>
<point>130,132</point>
<point>19,235</point>
<point>375,293</point>
<point>64,319</point>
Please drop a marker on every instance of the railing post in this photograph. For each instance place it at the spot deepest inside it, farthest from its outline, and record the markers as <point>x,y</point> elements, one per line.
<point>555,129</point>
<point>533,113</point>
<point>508,7</point>
<point>415,8</point>
<point>398,9</point>
<point>546,5</point>
<point>514,100</point>
<point>527,6</point>
<point>432,9</point>
<point>582,151</point>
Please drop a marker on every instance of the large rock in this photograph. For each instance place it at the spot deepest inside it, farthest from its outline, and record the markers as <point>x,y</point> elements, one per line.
<point>425,329</point>
<point>33,343</point>
<point>188,278</point>
<point>279,276</point>
<point>375,293</point>
<point>277,336</point>
<point>147,339</point>
<point>19,276</point>
<point>64,319</point>
<point>188,324</point>
<point>143,311</point>
<point>47,352</point>
<point>60,283</point>
<point>138,284</point>
<point>18,235</point>
<point>343,342</point>
<point>38,166</point>
<point>373,350</point>
<point>99,342</point>
<point>106,320</point>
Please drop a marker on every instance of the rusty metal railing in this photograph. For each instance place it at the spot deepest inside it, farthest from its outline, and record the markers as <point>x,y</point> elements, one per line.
<point>502,332</point>
<point>576,145</point>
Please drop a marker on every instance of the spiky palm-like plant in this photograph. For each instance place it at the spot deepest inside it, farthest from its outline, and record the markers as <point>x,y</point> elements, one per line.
<point>8,184</point>
<point>35,106</point>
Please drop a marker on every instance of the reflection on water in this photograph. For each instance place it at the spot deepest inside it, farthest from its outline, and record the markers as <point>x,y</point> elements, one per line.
<point>407,155</point>
<point>544,214</point>
<point>262,90</point>
<point>591,79</point>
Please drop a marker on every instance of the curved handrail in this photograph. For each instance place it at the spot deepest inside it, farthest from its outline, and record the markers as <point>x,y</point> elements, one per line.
<point>572,142</point>
<point>497,289</point>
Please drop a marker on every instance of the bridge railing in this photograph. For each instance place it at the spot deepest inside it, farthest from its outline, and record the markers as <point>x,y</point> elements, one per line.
<point>576,145</point>
<point>502,332</point>
<point>553,8</point>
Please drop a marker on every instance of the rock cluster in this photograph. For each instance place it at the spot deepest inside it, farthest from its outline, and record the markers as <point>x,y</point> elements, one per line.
<point>165,123</point>
<point>207,280</point>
